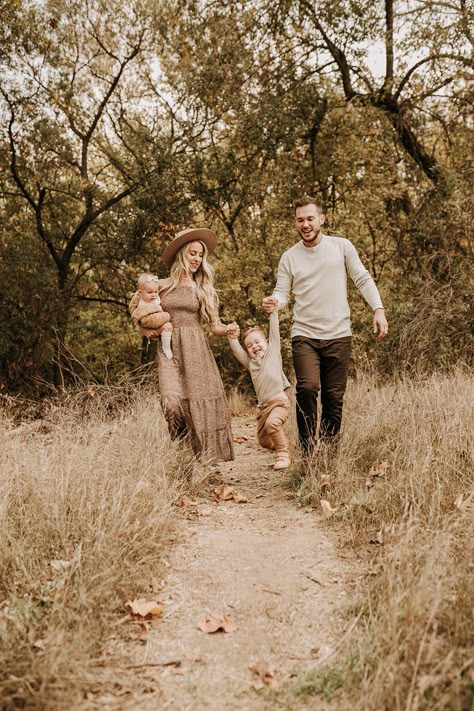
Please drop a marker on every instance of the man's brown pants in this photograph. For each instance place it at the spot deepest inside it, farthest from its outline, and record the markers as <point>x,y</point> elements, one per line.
<point>270,420</point>
<point>320,365</point>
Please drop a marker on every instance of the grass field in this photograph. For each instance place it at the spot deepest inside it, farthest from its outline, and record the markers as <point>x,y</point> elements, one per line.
<point>87,512</point>
<point>402,486</point>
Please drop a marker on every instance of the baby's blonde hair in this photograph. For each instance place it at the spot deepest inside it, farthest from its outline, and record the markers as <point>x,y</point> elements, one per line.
<point>254,329</point>
<point>144,278</point>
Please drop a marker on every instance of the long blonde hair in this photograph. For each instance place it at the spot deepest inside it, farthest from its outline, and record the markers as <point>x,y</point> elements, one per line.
<point>204,279</point>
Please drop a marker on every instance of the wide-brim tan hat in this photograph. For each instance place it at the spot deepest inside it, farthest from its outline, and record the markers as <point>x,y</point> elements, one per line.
<point>201,234</point>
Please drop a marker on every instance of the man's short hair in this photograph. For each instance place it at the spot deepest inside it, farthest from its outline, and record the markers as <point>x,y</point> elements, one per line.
<point>307,200</point>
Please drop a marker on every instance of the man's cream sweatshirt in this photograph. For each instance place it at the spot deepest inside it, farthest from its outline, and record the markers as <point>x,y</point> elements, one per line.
<point>317,277</point>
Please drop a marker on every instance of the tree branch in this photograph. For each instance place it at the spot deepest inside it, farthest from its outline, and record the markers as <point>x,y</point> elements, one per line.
<point>90,218</point>
<point>37,206</point>
<point>387,85</point>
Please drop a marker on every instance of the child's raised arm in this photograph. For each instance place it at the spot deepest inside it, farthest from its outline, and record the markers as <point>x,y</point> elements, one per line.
<point>241,355</point>
<point>274,328</point>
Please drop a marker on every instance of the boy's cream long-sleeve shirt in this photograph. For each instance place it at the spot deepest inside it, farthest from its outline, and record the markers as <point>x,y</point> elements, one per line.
<point>317,277</point>
<point>267,373</point>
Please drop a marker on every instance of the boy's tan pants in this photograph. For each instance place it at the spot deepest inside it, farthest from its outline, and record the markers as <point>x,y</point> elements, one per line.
<point>270,420</point>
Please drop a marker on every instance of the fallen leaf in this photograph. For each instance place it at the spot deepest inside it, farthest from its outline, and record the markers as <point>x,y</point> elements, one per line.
<point>265,674</point>
<point>378,538</point>
<point>240,498</point>
<point>40,644</point>
<point>145,608</point>
<point>227,493</point>
<point>215,624</point>
<point>240,439</point>
<point>324,481</point>
<point>186,501</point>
<point>327,508</point>
<point>224,493</point>
<point>377,471</point>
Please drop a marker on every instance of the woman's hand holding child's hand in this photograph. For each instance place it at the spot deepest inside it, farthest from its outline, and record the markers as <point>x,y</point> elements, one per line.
<point>233,330</point>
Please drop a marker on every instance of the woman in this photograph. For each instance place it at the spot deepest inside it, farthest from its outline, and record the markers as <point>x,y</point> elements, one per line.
<point>191,389</point>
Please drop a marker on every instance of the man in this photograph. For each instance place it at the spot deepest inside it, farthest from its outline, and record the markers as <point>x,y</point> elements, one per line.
<point>315,270</point>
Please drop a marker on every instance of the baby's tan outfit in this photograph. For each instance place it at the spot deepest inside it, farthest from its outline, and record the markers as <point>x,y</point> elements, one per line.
<point>148,315</point>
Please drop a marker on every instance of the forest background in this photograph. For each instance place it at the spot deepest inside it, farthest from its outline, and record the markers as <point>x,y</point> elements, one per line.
<point>123,123</point>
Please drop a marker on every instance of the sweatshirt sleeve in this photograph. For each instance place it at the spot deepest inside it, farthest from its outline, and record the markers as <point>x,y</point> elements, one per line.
<point>239,352</point>
<point>274,329</point>
<point>361,277</point>
<point>282,289</point>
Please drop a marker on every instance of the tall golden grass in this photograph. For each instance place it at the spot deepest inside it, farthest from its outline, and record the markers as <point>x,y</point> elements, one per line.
<point>401,482</point>
<point>86,511</point>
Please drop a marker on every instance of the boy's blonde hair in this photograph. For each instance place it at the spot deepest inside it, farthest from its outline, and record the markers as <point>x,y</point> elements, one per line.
<point>144,278</point>
<point>254,329</point>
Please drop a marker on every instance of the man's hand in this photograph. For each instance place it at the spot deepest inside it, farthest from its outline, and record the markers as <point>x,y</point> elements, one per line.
<point>233,330</point>
<point>380,323</point>
<point>269,304</point>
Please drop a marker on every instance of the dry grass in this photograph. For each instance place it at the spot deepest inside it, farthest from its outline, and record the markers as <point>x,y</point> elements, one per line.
<point>91,485</point>
<point>240,403</point>
<point>414,647</point>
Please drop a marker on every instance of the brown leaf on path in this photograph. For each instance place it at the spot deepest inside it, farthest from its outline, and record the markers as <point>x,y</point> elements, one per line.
<point>240,439</point>
<point>216,624</point>
<point>240,498</point>
<point>227,493</point>
<point>187,502</point>
<point>145,608</point>
<point>327,508</point>
<point>224,493</point>
<point>265,674</point>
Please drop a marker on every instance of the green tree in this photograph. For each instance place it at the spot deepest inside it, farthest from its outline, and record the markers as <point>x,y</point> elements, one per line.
<point>83,133</point>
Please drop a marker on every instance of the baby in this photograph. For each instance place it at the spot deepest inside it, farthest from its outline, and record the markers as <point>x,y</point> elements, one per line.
<point>263,359</point>
<point>146,310</point>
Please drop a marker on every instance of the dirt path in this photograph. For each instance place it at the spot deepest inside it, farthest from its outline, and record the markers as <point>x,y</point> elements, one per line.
<point>272,568</point>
